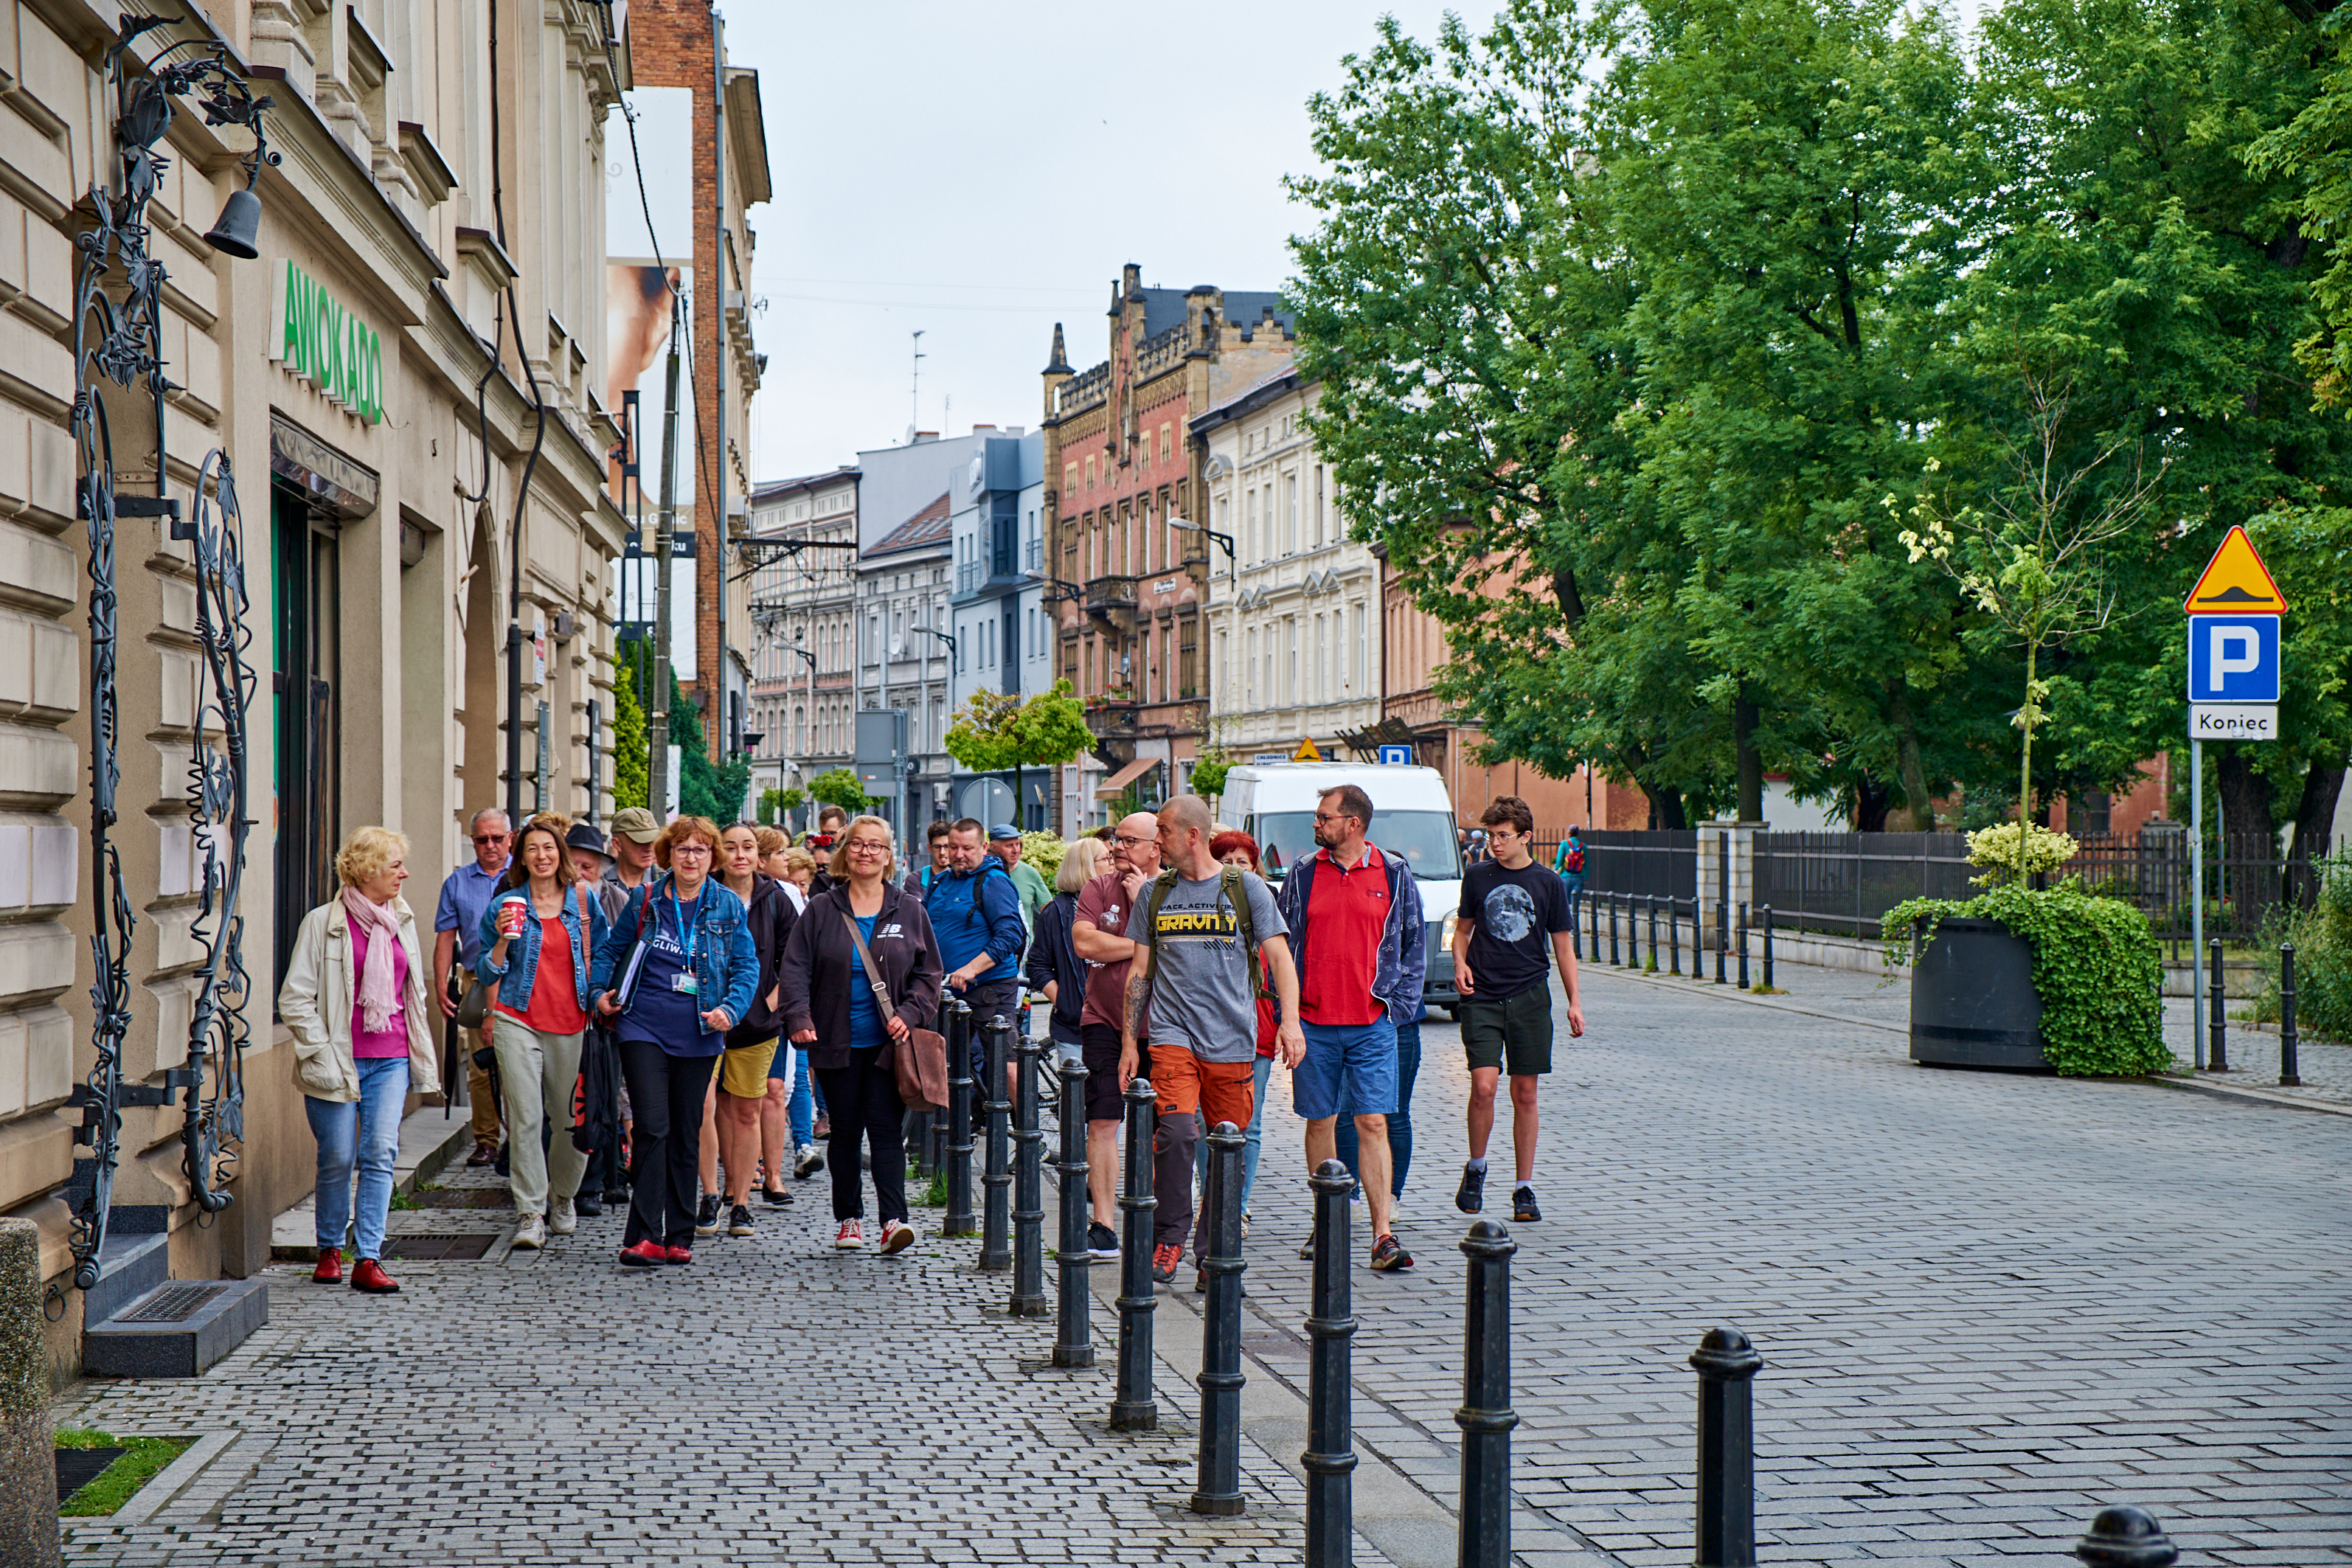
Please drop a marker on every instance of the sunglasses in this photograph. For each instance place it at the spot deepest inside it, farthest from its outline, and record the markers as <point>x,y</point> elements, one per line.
<point>490,838</point>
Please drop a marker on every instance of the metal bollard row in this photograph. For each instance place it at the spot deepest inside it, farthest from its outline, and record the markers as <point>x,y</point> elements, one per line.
<point>1218,1489</point>
<point>959,1119</point>
<point>1074,1329</point>
<point>1028,1186</point>
<point>2290,1071</point>
<point>996,1207</point>
<point>1331,1457</point>
<point>1132,1408</point>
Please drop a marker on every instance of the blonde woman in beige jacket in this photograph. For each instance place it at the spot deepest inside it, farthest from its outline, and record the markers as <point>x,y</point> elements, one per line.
<point>354,1000</point>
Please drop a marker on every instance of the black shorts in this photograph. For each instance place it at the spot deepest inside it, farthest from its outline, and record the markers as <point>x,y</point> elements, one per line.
<point>1098,1049</point>
<point>1513,1033</point>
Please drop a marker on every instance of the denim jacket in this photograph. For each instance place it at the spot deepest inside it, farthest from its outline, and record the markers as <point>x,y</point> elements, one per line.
<point>1399,975</point>
<point>726,967</point>
<point>515,977</point>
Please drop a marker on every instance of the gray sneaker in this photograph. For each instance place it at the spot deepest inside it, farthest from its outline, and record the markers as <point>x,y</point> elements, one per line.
<point>1471,1195</point>
<point>531,1235</point>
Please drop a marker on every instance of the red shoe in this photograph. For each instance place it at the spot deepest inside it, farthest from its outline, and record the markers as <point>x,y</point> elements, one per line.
<point>644,1255</point>
<point>1163,1263</point>
<point>680,1254</point>
<point>371,1277</point>
<point>331,1266</point>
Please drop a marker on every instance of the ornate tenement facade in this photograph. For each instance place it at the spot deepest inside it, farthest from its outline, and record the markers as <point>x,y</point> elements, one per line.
<point>1128,587</point>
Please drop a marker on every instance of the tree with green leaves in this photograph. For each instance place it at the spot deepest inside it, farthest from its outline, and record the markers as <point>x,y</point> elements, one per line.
<point>632,753</point>
<point>838,786</point>
<point>998,731</point>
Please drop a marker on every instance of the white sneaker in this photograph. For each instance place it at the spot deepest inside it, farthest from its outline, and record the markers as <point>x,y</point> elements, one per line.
<point>810,1161</point>
<point>565,1219</point>
<point>1396,1211</point>
<point>532,1234</point>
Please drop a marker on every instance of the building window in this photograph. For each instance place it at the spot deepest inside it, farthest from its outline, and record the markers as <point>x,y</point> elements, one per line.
<point>1188,658</point>
<point>1167,442</point>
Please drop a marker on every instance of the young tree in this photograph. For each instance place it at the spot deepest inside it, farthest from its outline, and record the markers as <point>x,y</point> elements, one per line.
<point>996,733</point>
<point>838,786</point>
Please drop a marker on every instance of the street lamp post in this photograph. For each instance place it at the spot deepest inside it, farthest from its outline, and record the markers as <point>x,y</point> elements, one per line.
<point>925,698</point>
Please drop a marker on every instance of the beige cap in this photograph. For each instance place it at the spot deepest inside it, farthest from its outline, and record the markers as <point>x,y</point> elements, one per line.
<point>637,822</point>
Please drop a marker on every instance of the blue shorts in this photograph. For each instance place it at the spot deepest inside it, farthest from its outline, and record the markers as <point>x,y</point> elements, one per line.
<point>1351,1064</point>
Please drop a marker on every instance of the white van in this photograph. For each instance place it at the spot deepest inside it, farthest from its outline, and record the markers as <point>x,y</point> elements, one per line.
<point>1412,816</point>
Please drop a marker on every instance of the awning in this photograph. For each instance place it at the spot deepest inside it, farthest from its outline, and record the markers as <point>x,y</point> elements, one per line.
<point>1116,786</point>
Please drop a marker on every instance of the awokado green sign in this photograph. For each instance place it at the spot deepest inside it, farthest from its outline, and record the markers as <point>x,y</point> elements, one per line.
<point>327,345</point>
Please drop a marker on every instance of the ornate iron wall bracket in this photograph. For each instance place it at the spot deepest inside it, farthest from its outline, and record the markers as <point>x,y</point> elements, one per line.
<point>118,339</point>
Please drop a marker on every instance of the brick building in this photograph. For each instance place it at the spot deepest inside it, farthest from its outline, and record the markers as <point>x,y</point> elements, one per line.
<point>1119,470</point>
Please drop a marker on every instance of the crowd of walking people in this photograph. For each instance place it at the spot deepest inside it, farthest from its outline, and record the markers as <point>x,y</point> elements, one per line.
<point>674,1014</point>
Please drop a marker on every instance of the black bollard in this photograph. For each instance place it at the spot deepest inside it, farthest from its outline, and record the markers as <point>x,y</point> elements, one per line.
<point>1132,1408</point>
<point>1592,919</point>
<point>1675,936</point>
<point>1727,1449</point>
<point>2217,1050</point>
<point>1722,937</point>
<point>996,1209</point>
<point>1028,1186</point>
<point>1652,901</point>
<point>958,1120</point>
<point>1615,962</point>
<point>1486,1416</point>
<point>1218,1489</point>
<point>1743,944</point>
<point>1331,1457</point>
<point>2289,1075</point>
<point>2126,1537</point>
<point>1074,1343</point>
<point>1768,947</point>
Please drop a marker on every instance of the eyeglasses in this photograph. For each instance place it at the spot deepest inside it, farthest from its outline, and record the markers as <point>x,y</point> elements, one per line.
<point>867,846</point>
<point>677,849</point>
<point>1333,816</point>
<point>1131,841</point>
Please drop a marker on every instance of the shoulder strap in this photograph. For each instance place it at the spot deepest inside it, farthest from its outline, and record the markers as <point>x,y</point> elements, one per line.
<point>873,974</point>
<point>1231,888</point>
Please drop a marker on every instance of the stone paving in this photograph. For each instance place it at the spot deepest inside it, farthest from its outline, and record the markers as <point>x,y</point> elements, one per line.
<point>1989,1305</point>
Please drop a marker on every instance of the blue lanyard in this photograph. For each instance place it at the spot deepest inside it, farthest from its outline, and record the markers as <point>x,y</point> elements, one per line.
<point>685,927</point>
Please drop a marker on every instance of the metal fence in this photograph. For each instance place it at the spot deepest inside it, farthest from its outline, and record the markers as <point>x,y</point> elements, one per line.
<point>1635,861</point>
<point>1845,882</point>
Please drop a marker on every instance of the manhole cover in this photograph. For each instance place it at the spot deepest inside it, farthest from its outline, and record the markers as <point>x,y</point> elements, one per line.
<point>172,1303</point>
<point>76,1467</point>
<point>440,1248</point>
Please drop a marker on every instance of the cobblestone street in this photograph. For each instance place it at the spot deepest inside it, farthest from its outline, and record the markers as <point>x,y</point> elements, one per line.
<point>1987,1304</point>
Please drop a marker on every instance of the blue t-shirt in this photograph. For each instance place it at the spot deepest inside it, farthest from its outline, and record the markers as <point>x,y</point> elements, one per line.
<point>865,1031</point>
<point>662,1014</point>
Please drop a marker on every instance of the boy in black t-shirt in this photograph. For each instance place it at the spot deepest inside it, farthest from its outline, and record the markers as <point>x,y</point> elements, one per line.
<point>1512,910</point>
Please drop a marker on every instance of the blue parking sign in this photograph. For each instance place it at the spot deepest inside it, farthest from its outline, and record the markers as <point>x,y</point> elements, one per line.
<point>1396,756</point>
<point>2233,658</point>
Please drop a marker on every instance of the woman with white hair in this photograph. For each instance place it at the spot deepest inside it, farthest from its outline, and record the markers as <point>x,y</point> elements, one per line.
<point>364,1031</point>
<point>1055,969</point>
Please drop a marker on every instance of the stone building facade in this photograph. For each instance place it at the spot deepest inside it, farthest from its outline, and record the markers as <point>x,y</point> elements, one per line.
<point>803,596</point>
<point>1119,470</point>
<point>398,379</point>
<point>1292,633</point>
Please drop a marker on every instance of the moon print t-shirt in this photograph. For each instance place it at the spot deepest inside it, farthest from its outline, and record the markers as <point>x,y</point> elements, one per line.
<point>1517,914</point>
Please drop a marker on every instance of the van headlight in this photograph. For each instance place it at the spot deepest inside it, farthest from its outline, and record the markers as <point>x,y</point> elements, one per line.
<point>1445,933</point>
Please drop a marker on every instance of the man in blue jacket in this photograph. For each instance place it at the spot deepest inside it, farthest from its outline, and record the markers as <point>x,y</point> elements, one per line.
<point>975,912</point>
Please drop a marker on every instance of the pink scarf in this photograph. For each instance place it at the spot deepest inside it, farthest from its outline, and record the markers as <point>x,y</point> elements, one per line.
<point>380,925</point>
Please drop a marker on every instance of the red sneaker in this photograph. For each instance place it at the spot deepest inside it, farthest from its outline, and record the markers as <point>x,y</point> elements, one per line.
<point>644,1255</point>
<point>680,1254</point>
<point>331,1266</point>
<point>371,1277</point>
<point>1163,1262</point>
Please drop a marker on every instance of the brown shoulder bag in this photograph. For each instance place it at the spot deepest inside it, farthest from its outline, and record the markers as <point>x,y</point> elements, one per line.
<point>921,1060</point>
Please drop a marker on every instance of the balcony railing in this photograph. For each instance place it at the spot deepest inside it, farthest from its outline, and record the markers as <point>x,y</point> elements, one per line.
<point>1108,596</point>
<point>1112,720</point>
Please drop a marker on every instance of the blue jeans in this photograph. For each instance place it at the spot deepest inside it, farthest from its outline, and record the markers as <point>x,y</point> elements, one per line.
<point>1400,1120</point>
<point>366,1134</point>
<point>1258,1071</point>
<point>800,1108</point>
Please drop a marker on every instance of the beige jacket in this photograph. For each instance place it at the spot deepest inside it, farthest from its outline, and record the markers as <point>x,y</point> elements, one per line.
<point>316,1003</point>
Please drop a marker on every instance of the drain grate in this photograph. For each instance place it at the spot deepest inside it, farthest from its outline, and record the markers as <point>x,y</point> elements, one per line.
<point>172,1303</point>
<point>423,1249</point>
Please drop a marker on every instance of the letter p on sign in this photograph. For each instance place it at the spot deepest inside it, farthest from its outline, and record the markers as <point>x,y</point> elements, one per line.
<point>2233,658</point>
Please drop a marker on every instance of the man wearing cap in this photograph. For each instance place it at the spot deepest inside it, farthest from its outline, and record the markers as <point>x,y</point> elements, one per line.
<point>975,914</point>
<point>633,832</point>
<point>1004,843</point>
<point>457,943</point>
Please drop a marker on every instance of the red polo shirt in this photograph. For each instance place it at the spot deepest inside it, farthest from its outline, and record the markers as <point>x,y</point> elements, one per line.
<point>1346,915</point>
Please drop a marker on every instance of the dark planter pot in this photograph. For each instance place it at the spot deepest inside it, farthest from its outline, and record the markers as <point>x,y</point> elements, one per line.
<point>1972,1000</point>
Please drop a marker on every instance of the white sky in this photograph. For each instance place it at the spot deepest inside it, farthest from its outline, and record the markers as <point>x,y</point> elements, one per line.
<point>980,172</point>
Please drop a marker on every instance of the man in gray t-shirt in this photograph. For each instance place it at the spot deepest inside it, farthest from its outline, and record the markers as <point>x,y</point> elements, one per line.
<point>1195,979</point>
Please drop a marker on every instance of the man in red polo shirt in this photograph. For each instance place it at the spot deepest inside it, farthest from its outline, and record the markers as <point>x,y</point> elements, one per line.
<point>1355,924</point>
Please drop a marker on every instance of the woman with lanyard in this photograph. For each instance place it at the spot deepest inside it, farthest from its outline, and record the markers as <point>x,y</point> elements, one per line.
<point>537,934</point>
<point>674,974</point>
<point>829,1006</point>
<point>731,1118</point>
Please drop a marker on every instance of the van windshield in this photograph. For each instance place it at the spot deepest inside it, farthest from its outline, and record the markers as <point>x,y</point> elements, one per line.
<point>1425,840</point>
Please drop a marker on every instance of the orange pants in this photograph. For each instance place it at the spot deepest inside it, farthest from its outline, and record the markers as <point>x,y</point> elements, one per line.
<point>1190,1094</point>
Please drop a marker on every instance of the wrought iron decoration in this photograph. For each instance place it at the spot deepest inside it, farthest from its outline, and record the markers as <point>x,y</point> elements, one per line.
<point>118,338</point>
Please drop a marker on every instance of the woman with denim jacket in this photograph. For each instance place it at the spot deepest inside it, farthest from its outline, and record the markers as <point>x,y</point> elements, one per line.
<point>693,983</point>
<point>538,932</point>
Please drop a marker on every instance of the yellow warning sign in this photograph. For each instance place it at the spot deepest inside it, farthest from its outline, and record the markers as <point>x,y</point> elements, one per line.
<point>1307,752</point>
<point>2236,582</point>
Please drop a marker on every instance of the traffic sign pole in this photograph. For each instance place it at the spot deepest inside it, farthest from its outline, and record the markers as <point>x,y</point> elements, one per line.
<point>2196,892</point>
